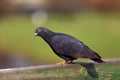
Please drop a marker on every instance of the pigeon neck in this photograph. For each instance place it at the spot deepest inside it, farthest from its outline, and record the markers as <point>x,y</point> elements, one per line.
<point>47,36</point>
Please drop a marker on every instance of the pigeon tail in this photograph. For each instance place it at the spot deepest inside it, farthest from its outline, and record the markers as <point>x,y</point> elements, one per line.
<point>98,60</point>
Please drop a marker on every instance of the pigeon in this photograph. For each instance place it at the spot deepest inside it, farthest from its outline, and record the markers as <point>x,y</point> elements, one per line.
<point>66,46</point>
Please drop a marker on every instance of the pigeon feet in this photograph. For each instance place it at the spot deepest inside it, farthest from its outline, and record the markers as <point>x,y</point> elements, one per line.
<point>65,62</point>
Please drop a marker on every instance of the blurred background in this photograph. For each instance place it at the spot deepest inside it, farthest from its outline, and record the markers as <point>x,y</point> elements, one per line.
<point>95,22</point>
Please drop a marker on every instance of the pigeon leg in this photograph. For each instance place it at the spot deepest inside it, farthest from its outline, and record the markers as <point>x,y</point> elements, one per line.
<point>62,63</point>
<point>65,62</point>
<point>70,62</point>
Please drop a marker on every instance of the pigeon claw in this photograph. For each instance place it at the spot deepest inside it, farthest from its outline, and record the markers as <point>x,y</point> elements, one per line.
<point>64,62</point>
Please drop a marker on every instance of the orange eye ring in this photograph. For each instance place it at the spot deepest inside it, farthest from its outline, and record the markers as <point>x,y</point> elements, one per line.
<point>39,30</point>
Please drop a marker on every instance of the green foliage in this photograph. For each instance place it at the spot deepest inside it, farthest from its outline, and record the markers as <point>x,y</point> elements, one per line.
<point>100,31</point>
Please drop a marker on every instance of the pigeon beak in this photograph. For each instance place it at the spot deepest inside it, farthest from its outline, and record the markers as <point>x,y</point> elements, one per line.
<point>35,35</point>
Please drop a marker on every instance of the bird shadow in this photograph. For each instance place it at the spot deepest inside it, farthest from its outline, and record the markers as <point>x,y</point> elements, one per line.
<point>89,67</point>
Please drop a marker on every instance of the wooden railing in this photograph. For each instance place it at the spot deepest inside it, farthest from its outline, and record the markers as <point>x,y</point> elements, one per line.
<point>20,73</point>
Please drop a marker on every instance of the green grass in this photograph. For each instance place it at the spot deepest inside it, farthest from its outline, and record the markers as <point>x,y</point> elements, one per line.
<point>100,31</point>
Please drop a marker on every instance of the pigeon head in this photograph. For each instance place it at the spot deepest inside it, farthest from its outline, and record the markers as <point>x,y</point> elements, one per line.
<point>43,32</point>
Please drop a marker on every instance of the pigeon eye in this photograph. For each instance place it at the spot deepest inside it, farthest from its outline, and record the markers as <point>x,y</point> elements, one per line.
<point>39,30</point>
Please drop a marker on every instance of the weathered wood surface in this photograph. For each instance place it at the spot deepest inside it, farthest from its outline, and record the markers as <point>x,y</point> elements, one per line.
<point>46,72</point>
<point>48,67</point>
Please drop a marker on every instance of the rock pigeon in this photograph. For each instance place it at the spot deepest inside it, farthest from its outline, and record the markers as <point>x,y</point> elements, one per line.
<point>67,47</point>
